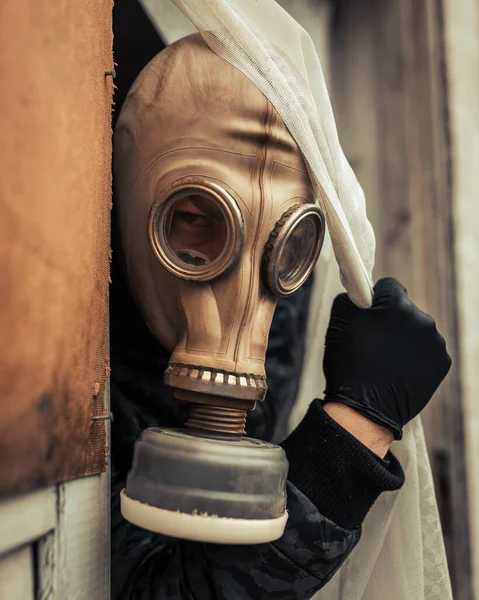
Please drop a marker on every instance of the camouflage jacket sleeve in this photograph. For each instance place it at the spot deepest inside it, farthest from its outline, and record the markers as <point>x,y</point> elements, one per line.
<point>294,567</point>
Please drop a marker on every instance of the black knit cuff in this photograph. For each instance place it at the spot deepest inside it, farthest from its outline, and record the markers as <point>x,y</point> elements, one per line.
<point>339,474</point>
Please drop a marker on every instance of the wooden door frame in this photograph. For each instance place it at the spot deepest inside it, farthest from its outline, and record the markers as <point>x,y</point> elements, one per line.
<point>390,68</point>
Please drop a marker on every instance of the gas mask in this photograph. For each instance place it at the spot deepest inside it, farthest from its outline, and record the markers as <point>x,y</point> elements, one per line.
<point>218,220</point>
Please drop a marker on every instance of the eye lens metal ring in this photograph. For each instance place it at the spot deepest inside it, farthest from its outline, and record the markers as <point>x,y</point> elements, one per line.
<point>293,248</point>
<point>196,229</point>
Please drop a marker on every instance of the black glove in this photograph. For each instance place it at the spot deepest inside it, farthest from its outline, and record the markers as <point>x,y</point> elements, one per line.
<point>386,361</point>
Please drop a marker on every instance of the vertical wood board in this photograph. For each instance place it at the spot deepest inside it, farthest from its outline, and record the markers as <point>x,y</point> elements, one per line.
<point>83,539</point>
<point>17,581</point>
<point>461,28</point>
<point>391,103</point>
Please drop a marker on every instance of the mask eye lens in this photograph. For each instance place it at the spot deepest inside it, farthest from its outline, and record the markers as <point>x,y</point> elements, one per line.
<point>293,249</point>
<point>298,252</point>
<point>196,232</point>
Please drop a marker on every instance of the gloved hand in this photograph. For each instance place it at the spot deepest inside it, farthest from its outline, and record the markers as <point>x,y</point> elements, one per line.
<point>385,362</point>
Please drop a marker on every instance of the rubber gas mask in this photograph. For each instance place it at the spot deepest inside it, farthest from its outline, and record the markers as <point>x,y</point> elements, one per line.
<point>218,220</point>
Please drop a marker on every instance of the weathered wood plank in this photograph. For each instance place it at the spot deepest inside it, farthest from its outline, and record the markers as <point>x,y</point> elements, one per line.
<point>46,563</point>
<point>392,105</point>
<point>17,580</point>
<point>83,539</point>
<point>26,518</point>
<point>461,49</point>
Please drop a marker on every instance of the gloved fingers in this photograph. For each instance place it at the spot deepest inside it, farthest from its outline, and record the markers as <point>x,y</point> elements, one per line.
<point>447,362</point>
<point>443,360</point>
<point>427,322</point>
<point>389,291</point>
<point>343,305</point>
<point>386,291</point>
<point>342,311</point>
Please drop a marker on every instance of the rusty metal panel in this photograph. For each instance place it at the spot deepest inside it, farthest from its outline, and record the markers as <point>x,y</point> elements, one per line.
<point>55,196</point>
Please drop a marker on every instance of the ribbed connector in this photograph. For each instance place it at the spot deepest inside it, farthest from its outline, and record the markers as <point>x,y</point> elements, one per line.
<point>217,419</point>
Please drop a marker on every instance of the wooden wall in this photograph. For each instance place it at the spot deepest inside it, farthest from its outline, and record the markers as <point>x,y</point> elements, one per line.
<point>391,98</point>
<point>461,52</point>
<point>55,197</point>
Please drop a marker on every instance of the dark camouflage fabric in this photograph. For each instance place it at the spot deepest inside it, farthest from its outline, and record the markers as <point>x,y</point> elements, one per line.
<point>147,566</point>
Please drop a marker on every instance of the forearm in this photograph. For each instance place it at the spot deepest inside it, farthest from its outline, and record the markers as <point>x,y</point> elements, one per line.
<point>377,438</point>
